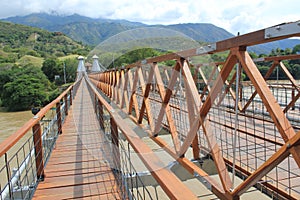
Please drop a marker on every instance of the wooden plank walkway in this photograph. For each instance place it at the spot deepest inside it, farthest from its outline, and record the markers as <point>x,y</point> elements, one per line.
<point>78,167</point>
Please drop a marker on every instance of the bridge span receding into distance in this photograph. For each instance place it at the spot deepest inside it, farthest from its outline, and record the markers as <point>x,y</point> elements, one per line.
<point>194,130</point>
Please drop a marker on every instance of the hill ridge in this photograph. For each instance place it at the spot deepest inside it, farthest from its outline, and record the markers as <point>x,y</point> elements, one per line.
<point>93,31</point>
<point>59,23</point>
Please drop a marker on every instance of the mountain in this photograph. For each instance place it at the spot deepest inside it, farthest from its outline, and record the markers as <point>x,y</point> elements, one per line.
<point>87,30</point>
<point>203,32</point>
<point>21,45</point>
<point>49,21</point>
<point>268,47</point>
<point>94,31</point>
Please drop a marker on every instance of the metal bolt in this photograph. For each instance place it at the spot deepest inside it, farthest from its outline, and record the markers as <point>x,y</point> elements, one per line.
<point>144,62</point>
<point>298,23</point>
<point>288,145</point>
<point>278,28</point>
<point>269,35</point>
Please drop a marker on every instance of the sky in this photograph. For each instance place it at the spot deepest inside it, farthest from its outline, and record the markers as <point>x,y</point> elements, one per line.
<point>233,15</point>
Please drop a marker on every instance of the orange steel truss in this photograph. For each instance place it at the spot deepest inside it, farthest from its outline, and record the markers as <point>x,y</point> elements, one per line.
<point>203,118</point>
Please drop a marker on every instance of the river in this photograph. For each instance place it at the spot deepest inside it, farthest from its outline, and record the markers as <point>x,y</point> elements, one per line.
<point>11,122</point>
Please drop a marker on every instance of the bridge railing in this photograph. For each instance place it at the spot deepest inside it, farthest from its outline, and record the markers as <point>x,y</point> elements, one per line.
<point>24,154</point>
<point>248,130</point>
<point>126,148</point>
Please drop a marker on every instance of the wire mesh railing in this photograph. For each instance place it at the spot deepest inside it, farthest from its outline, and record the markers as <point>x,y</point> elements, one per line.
<point>236,112</point>
<point>24,155</point>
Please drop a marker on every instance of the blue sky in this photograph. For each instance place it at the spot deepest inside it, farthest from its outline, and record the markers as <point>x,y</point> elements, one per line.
<point>232,15</point>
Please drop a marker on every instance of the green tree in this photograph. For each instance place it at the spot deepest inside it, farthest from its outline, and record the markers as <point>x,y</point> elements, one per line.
<point>71,68</point>
<point>24,92</point>
<point>134,56</point>
<point>23,88</point>
<point>51,68</point>
<point>288,51</point>
<point>296,49</point>
<point>253,55</point>
<point>295,71</point>
<point>6,76</point>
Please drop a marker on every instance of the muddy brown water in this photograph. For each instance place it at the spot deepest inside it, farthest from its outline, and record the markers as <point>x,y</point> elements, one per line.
<point>10,122</point>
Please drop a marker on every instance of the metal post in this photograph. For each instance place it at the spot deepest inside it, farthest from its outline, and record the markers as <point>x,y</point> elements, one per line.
<point>95,103</point>
<point>101,115</point>
<point>293,98</point>
<point>38,149</point>
<point>58,114</point>
<point>115,142</point>
<point>65,73</point>
<point>71,95</point>
<point>66,104</point>
<point>8,176</point>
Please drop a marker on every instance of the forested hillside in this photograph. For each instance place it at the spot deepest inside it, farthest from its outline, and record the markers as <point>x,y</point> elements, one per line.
<point>25,54</point>
<point>21,45</point>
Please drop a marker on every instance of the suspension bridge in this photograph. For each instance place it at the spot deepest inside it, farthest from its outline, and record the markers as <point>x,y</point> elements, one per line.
<point>194,130</point>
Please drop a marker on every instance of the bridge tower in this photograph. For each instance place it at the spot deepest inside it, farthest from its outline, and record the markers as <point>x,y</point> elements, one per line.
<point>80,68</point>
<point>95,66</point>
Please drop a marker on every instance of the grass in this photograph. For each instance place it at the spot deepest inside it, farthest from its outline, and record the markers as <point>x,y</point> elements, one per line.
<point>36,61</point>
<point>68,57</point>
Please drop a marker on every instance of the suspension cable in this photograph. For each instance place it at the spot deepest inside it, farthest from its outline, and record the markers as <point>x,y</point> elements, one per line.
<point>236,123</point>
<point>181,107</point>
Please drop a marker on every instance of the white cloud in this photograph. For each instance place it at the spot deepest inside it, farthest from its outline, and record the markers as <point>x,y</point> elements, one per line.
<point>234,16</point>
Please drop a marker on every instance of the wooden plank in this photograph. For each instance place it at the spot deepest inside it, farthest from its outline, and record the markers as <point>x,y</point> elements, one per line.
<point>74,166</point>
<point>106,191</point>
<point>78,171</point>
<point>79,158</point>
<point>77,179</point>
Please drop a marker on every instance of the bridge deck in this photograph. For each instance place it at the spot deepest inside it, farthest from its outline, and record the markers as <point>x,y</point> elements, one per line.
<point>77,167</point>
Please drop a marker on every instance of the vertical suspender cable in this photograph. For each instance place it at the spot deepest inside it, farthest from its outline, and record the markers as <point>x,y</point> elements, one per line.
<point>236,122</point>
<point>181,107</point>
